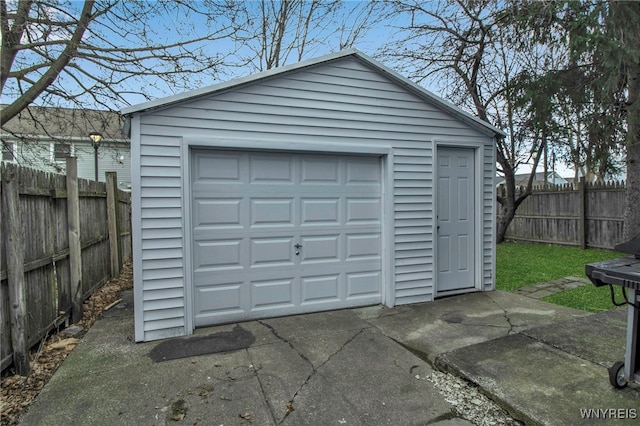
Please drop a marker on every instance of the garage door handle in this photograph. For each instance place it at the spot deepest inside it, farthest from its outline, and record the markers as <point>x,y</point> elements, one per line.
<point>298,246</point>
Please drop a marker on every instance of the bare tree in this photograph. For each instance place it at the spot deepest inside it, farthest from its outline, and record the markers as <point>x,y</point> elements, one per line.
<point>462,45</point>
<point>103,53</point>
<point>279,32</point>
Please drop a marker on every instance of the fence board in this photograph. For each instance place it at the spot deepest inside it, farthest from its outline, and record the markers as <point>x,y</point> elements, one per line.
<point>554,215</point>
<point>14,242</point>
<point>47,276</point>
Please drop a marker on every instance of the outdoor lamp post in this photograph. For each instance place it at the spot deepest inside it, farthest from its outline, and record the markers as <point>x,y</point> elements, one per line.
<point>96,138</point>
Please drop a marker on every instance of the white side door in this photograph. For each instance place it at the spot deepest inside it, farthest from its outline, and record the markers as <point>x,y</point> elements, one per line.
<point>456,212</point>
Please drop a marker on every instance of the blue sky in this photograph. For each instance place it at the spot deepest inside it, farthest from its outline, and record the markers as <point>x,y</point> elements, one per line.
<point>171,27</point>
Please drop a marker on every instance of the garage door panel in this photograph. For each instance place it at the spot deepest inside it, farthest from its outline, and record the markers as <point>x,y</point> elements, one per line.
<point>325,249</point>
<point>363,210</point>
<point>364,284</point>
<point>269,294</point>
<point>217,255</point>
<point>363,171</point>
<point>362,246</point>
<point>315,170</point>
<point>271,169</point>
<point>272,252</point>
<point>246,264</point>
<point>214,166</point>
<point>272,212</point>
<point>220,299</point>
<point>320,211</point>
<point>220,213</point>
<point>320,289</point>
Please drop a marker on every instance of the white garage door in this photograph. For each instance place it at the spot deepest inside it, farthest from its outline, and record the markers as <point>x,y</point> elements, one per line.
<point>277,234</point>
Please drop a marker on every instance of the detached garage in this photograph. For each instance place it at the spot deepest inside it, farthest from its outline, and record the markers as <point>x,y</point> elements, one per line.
<point>326,184</point>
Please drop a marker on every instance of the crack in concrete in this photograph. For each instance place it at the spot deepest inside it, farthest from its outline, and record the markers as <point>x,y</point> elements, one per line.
<point>314,370</point>
<point>505,315</point>
<point>262,390</point>
<point>282,339</point>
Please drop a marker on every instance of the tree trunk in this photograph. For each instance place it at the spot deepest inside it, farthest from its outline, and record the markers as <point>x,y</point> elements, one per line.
<point>632,199</point>
<point>507,212</point>
<point>507,201</point>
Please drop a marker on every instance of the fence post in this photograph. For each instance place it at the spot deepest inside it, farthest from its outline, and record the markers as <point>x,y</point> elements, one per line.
<point>14,248</point>
<point>75,248</point>
<point>582,220</point>
<point>112,217</point>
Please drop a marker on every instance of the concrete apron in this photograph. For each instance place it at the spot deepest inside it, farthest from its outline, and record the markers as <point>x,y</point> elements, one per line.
<point>326,368</point>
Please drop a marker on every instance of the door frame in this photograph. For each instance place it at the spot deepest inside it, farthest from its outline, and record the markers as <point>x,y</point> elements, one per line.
<point>478,155</point>
<point>265,145</point>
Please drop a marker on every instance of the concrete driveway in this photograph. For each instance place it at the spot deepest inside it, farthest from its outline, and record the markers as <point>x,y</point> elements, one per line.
<point>364,366</point>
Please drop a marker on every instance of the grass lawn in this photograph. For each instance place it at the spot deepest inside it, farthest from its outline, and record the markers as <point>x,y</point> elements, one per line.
<point>523,264</point>
<point>588,298</point>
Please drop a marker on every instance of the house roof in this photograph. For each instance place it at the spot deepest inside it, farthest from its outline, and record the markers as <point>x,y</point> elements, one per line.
<point>51,122</point>
<point>403,81</point>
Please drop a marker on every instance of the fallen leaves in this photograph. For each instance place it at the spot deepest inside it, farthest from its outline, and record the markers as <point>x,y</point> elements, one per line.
<point>18,392</point>
<point>66,344</point>
<point>178,410</point>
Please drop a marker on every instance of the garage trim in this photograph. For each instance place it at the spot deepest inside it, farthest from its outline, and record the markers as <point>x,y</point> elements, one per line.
<point>388,243</point>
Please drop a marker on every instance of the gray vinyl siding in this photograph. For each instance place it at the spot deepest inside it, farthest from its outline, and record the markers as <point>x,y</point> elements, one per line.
<point>343,101</point>
<point>161,238</point>
<point>488,218</point>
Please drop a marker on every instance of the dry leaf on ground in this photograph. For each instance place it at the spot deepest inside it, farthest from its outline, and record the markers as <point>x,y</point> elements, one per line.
<point>18,392</point>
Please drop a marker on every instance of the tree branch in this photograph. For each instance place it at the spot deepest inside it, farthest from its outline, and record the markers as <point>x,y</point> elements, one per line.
<point>52,73</point>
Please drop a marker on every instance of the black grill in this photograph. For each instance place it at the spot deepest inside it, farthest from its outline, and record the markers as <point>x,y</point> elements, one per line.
<point>625,273</point>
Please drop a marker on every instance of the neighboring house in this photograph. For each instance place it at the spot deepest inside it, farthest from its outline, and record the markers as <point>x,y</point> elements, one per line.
<point>325,184</point>
<point>522,179</point>
<point>42,138</point>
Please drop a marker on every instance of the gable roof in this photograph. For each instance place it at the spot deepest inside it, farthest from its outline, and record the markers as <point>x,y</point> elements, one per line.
<point>382,69</point>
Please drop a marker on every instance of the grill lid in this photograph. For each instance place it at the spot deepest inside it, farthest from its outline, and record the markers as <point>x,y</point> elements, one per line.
<point>630,247</point>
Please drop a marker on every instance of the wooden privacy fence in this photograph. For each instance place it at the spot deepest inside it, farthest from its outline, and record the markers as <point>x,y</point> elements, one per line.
<point>62,238</point>
<point>589,215</point>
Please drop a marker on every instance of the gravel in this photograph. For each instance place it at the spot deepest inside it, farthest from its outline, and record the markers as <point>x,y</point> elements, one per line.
<point>468,402</point>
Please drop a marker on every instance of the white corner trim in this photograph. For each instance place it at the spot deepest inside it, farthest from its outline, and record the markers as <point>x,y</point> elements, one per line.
<point>136,232</point>
<point>185,177</point>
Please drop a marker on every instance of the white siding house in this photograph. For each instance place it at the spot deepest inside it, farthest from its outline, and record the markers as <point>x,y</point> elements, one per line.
<point>42,138</point>
<point>326,184</point>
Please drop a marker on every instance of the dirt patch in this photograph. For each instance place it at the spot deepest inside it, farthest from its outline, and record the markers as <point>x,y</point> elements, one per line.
<point>18,392</point>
